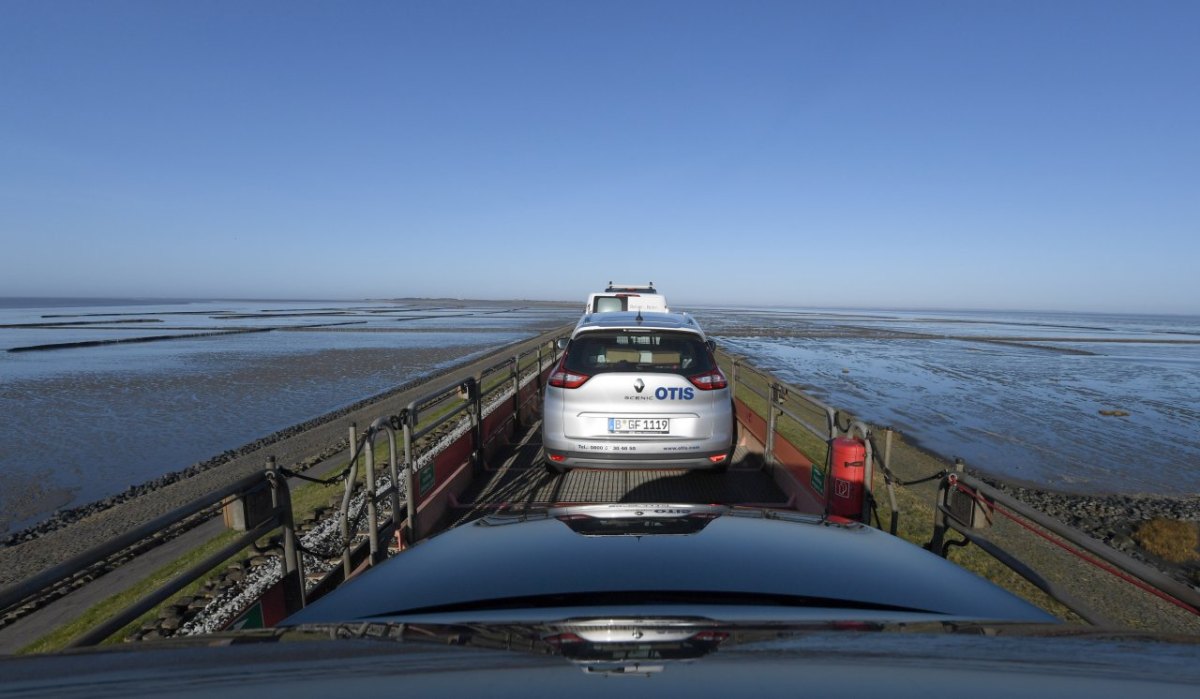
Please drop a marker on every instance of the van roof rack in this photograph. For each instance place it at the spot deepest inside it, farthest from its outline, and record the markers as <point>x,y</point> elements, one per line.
<point>639,288</point>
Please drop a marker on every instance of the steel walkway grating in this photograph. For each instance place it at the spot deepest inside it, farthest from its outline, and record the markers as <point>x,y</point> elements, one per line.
<point>521,481</point>
<point>675,486</point>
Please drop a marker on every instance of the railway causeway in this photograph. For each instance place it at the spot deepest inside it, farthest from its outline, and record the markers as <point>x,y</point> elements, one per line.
<point>467,444</point>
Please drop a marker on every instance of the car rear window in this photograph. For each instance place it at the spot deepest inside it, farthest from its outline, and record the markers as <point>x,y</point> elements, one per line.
<point>608,304</point>
<point>676,353</point>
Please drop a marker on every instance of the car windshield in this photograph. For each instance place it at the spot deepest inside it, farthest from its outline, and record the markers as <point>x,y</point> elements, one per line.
<point>608,351</point>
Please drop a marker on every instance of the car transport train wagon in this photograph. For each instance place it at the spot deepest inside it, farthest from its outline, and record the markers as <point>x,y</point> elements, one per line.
<point>685,490</point>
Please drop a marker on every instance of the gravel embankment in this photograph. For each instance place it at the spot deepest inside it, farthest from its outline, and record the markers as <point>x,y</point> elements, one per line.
<point>1114,519</point>
<point>1108,518</point>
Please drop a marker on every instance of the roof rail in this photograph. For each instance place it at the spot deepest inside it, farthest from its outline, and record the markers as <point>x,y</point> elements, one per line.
<point>636,288</point>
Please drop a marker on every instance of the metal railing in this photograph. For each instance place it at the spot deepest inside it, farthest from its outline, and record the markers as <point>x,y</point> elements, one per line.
<point>457,410</point>
<point>366,448</point>
<point>259,521</point>
<point>968,505</point>
<point>262,501</point>
<point>964,504</point>
<point>779,401</point>
<point>784,405</point>
<point>427,426</point>
<point>782,400</point>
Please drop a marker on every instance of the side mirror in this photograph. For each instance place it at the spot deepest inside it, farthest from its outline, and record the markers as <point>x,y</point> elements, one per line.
<point>711,344</point>
<point>561,343</point>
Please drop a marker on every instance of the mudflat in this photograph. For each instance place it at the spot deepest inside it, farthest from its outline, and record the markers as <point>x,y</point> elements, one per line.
<point>74,531</point>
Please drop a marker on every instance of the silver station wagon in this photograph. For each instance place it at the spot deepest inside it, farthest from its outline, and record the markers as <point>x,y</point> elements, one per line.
<point>638,390</point>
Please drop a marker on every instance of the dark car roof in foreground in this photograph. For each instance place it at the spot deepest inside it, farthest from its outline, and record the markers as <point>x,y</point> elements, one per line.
<point>775,661</point>
<point>583,651</point>
<point>748,563</point>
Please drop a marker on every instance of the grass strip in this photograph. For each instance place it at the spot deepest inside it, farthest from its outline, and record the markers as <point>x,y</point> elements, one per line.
<point>59,638</point>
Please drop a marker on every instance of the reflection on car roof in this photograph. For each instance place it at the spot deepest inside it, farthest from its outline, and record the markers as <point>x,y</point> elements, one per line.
<point>634,319</point>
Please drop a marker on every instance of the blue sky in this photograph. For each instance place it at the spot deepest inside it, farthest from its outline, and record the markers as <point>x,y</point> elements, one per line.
<point>1009,155</point>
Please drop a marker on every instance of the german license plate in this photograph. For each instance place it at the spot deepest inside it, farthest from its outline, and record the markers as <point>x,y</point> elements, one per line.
<point>640,425</point>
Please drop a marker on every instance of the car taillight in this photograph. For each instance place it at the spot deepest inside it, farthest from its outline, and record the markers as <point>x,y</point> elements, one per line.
<point>561,378</point>
<point>709,381</point>
<point>562,638</point>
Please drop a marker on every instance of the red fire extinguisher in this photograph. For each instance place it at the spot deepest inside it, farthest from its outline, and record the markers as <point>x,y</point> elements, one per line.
<point>847,469</point>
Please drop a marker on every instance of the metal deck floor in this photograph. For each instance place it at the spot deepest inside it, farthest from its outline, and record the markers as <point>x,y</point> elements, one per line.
<point>520,481</point>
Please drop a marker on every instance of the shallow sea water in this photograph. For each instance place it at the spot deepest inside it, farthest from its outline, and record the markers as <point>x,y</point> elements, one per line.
<point>83,423</point>
<point>1028,411</point>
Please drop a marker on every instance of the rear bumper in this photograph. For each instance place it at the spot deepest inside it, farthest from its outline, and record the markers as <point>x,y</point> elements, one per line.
<point>690,460</point>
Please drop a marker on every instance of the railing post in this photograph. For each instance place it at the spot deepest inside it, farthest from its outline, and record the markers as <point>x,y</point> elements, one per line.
<point>937,542</point>
<point>369,494</point>
<point>394,472</point>
<point>540,385</point>
<point>868,495</point>
<point>733,378</point>
<point>293,565</point>
<point>410,491</point>
<point>868,465</point>
<point>347,566</point>
<point>475,395</point>
<point>516,377</point>
<point>887,469</point>
<point>772,420</point>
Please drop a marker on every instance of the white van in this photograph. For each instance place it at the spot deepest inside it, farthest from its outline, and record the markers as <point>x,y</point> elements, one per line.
<point>626,297</point>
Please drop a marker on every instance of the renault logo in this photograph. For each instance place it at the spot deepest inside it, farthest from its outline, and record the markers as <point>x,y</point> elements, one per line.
<point>638,385</point>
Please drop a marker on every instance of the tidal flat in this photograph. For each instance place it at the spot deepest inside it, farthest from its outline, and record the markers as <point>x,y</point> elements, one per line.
<point>82,423</point>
